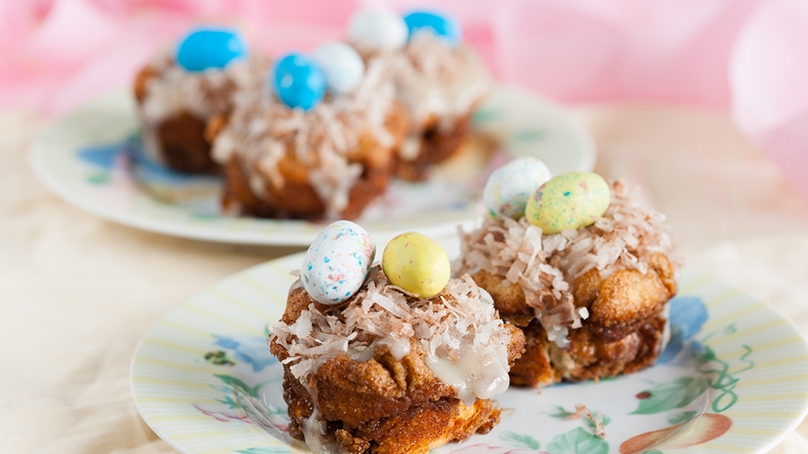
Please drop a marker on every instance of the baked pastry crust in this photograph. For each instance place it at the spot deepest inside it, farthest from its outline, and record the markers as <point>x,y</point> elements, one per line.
<point>611,312</point>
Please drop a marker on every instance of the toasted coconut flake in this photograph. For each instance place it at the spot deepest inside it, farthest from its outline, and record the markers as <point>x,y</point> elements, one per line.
<point>461,315</point>
<point>597,419</point>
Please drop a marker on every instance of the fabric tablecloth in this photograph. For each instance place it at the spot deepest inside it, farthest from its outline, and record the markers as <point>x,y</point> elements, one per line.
<point>77,292</point>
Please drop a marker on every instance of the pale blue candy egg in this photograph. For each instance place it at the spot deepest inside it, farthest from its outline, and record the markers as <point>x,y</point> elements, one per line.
<point>299,81</point>
<point>377,29</point>
<point>510,187</point>
<point>442,25</point>
<point>337,262</point>
<point>206,48</point>
<point>342,66</point>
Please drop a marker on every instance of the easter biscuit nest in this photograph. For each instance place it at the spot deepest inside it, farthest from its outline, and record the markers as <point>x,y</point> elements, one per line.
<point>439,86</point>
<point>347,380</point>
<point>591,302</point>
<point>328,162</point>
<point>175,106</point>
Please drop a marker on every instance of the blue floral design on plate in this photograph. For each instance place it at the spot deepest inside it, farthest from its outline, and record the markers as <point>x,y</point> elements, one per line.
<point>252,350</point>
<point>103,156</point>
<point>142,166</point>
<point>687,315</point>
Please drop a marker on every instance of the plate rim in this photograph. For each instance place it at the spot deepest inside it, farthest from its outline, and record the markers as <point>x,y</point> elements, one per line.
<point>201,232</point>
<point>297,258</point>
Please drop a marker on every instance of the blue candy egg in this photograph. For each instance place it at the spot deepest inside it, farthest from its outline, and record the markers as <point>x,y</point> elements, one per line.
<point>205,48</point>
<point>441,25</point>
<point>342,66</point>
<point>299,81</point>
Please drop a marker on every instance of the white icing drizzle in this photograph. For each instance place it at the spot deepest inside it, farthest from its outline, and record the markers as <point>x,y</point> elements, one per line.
<point>314,434</point>
<point>475,373</point>
<point>262,131</point>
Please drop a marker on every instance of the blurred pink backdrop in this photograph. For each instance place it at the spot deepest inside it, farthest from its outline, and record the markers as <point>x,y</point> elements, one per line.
<point>750,56</point>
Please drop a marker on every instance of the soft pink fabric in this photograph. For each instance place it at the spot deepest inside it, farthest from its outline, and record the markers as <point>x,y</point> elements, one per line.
<point>748,55</point>
<point>769,80</point>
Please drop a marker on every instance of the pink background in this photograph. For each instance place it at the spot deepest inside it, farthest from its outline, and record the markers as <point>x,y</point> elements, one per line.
<point>750,56</point>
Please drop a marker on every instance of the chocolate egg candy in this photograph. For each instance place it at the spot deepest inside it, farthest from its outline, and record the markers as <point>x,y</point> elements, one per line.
<point>417,264</point>
<point>568,201</point>
<point>299,81</point>
<point>442,25</point>
<point>342,66</point>
<point>510,187</point>
<point>206,48</point>
<point>377,29</point>
<point>337,262</point>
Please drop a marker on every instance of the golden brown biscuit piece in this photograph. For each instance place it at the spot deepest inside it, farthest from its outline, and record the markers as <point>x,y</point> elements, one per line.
<point>382,404</point>
<point>625,330</point>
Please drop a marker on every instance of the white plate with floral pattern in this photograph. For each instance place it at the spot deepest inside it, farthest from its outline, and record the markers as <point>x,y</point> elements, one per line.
<point>733,379</point>
<point>93,158</point>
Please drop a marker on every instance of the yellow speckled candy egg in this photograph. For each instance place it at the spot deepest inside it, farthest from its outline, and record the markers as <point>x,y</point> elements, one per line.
<point>568,202</point>
<point>417,264</point>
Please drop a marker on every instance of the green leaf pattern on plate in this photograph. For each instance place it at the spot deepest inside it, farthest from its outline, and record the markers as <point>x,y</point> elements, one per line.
<point>578,441</point>
<point>671,395</point>
<point>270,450</point>
<point>520,441</point>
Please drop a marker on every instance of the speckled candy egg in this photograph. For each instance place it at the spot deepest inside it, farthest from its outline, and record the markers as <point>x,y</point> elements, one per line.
<point>337,262</point>
<point>377,29</point>
<point>510,187</point>
<point>343,67</point>
<point>417,264</point>
<point>205,48</point>
<point>299,81</point>
<point>442,25</point>
<point>568,201</point>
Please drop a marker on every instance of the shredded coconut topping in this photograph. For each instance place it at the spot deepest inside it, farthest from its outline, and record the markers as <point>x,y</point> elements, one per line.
<point>597,419</point>
<point>625,237</point>
<point>462,317</point>
<point>263,131</point>
<point>204,93</point>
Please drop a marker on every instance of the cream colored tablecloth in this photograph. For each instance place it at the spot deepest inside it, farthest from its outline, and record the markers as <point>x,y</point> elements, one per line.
<point>77,293</point>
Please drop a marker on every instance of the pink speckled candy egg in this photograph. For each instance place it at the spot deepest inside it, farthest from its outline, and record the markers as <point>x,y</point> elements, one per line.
<point>337,262</point>
<point>568,202</point>
<point>510,187</point>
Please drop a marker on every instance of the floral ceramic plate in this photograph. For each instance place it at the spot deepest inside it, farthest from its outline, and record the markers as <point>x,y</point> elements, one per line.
<point>94,159</point>
<point>733,379</point>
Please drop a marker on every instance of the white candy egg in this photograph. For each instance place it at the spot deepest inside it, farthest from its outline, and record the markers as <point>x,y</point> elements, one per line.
<point>378,29</point>
<point>337,262</point>
<point>511,186</point>
<point>342,65</point>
